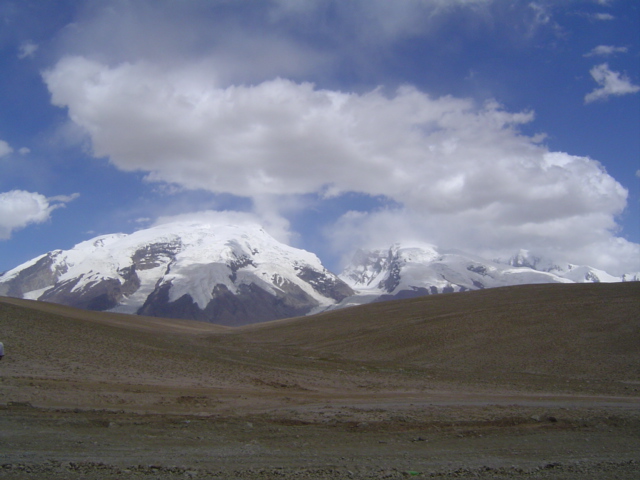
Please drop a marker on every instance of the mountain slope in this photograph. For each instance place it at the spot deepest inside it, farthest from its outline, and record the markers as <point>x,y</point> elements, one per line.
<point>523,334</point>
<point>581,337</point>
<point>225,274</point>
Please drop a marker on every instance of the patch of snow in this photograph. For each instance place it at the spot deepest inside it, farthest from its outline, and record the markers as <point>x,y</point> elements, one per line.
<point>35,294</point>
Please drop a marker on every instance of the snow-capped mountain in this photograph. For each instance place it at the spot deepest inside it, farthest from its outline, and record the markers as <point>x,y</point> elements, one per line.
<point>231,275</point>
<point>234,275</point>
<point>575,273</point>
<point>410,271</point>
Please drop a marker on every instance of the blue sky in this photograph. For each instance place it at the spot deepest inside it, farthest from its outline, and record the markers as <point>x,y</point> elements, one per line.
<point>482,125</point>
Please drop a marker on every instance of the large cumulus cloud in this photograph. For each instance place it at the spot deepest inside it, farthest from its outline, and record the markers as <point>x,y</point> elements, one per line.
<point>463,174</point>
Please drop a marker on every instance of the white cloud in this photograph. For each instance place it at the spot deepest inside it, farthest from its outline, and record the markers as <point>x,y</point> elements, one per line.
<point>463,173</point>
<point>604,17</point>
<point>278,137</point>
<point>19,208</point>
<point>605,51</point>
<point>277,227</point>
<point>239,40</point>
<point>287,38</point>
<point>27,49</point>
<point>63,198</point>
<point>611,83</point>
<point>377,24</point>
<point>542,16</point>
<point>5,148</point>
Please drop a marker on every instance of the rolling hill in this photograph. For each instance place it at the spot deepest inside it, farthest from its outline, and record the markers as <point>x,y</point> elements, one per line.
<point>582,336</point>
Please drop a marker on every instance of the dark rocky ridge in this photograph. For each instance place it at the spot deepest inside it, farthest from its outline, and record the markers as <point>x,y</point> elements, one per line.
<point>251,304</point>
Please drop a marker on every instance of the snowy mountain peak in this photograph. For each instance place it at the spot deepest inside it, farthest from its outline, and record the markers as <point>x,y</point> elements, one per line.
<point>374,269</point>
<point>575,273</point>
<point>238,274</point>
<point>409,271</point>
<point>524,258</point>
<point>229,274</point>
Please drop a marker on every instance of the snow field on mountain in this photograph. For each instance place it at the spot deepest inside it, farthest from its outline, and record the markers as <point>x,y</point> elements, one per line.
<point>157,266</point>
<point>208,252</point>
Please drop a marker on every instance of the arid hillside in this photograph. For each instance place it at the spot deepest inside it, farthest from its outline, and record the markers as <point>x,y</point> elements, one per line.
<point>494,378</point>
<point>528,334</point>
<point>550,337</point>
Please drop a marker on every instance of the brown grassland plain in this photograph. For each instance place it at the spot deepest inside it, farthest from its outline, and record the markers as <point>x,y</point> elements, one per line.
<point>536,381</point>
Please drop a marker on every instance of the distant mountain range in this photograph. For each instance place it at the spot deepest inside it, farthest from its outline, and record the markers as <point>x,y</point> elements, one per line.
<point>411,271</point>
<point>235,275</point>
